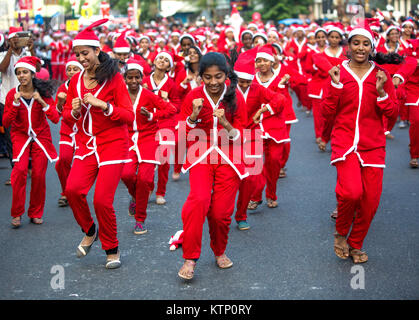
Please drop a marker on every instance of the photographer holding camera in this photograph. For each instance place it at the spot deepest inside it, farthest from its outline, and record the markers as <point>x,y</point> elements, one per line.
<point>9,81</point>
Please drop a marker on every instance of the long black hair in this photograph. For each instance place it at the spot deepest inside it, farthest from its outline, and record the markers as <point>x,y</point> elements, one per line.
<point>217,59</point>
<point>382,58</point>
<point>107,68</point>
<point>198,51</point>
<point>46,88</point>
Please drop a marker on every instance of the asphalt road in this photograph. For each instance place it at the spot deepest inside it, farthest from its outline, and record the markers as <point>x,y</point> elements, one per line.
<point>287,253</point>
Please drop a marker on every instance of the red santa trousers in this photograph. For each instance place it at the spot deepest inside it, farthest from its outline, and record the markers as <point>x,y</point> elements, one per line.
<point>38,187</point>
<point>82,176</point>
<point>358,189</point>
<point>129,173</point>
<point>414,131</point>
<point>63,165</point>
<point>144,186</point>
<point>213,190</point>
<point>318,118</point>
<point>275,159</point>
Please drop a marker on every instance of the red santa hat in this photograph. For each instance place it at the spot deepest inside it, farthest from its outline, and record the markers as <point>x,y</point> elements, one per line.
<point>252,25</point>
<point>87,37</point>
<point>320,30</point>
<point>13,31</point>
<point>245,64</point>
<point>363,29</point>
<point>176,240</point>
<point>260,34</point>
<point>408,22</point>
<point>175,33</point>
<point>266,52</point>
<point>392,27</point>
<point>133,64</point>
<point>187,35</point>
<point>335,28</point>
<point>166,54</point>
<point>144,36</point>
<point>121,44</point>
<point>29,62</point>
<point>72,61</point>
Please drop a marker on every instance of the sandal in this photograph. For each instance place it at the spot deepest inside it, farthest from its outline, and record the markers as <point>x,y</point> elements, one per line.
<point>334,214</point>
<point>341,246</point>
<point>322,146</point>
<point>253,204</point>
<point>223,262</point>
<point>282,173</point>
<point>414,163</point>
<point>189,267</point>
<point>63,202</point>
<point>358,256</point>
<point>16,222</point>
<point>37,221</point>
<point>271,203</point>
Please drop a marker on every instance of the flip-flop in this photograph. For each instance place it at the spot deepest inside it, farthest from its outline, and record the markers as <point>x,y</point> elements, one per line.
<point>253,204</point>
<point>339,250</point>
<point>62,202</point>
<point>228,263</point>
<point>191,274</point>
<point>16,222</point>
<point>360,255</point>
<point>272,203</point>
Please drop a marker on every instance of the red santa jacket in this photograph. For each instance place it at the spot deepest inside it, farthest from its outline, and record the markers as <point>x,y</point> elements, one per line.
<point>184,89</point>
<point>67,133</point>
<point>272,124</point>
<point>210,141</point>
<point>357,111</point>
<point>408,72</point>
<point>273,84</point>
<point>321,64</point>
<point>299,50</point>
<point>29,123</point>
<point>166,85</point>
<point>144,132</point>
<point>104,135</point>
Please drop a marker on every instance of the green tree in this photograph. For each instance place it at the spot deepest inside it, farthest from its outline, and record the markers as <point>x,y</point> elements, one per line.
<point>283,9</point>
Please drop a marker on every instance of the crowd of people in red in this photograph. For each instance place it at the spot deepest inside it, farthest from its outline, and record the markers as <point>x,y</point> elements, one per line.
<point>216,102</point>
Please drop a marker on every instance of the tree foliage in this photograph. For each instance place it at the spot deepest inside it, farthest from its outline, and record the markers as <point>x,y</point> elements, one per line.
<point>283,9</point>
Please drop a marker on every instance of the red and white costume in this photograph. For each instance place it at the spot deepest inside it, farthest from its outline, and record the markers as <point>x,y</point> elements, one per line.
<point>144,148</point>
<point>358,146</point>
<point>31,138</point>
<point>409,74</point>
<point>102,147</point>
<point>215,172</point>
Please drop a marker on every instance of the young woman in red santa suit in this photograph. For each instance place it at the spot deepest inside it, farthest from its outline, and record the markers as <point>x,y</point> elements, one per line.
<point>214,160</point>
<point>392,48</point>
<point>407,34</point>
<point>264,112</point>
<point>187,79</point>
<point>138,175</point>
<point>26,109</point>
<point>99,103</point>
<point>358,96</point>
<point>145,52</point>
<point>319,64</point>
<point>408,75</point>
<point>277,81</point>
<point>333,55</point>
<point>297,46</point>
<point>67,134</point>
<point>162,85</point>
